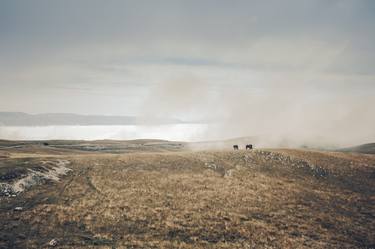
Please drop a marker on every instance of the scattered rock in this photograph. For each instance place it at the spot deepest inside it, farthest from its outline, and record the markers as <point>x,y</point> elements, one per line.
<point>6,189</point>
<point>53,242</point>
<point>211,165</point>
<point>228,173</point>
<point>34,177</point>
<point>238,167</point>
<point>286,161</point>
<point>18,208</point>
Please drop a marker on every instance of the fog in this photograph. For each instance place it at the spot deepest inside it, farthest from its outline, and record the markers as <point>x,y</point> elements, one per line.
<point>288,114</point>
<point>177,132</point>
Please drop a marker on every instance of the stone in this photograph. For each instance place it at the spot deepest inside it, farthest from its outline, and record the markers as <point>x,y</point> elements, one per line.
<point>53,242</point>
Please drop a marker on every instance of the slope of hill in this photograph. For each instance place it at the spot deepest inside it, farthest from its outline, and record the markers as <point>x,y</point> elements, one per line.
<point>162,196</point>
<point>364,148</point>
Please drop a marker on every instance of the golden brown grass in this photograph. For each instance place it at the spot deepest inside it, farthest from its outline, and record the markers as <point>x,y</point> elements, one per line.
<point>207,199</point>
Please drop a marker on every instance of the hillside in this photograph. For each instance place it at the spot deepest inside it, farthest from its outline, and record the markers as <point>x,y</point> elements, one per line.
<point>364,148</point>
<point>161,196</point>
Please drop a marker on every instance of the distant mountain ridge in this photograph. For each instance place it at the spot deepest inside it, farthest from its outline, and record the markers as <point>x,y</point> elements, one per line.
<point>364,148</point>
<point>48,119</point>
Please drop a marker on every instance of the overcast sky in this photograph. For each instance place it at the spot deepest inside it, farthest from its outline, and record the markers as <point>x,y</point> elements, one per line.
<point>305,64</point>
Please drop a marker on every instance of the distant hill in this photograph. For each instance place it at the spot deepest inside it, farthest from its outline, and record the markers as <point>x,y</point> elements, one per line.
<point>24,119</point>
<point>225,144</point>
<point>364,148</point>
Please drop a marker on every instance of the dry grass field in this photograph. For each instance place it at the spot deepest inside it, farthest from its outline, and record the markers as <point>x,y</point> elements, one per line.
<point>155,194</point>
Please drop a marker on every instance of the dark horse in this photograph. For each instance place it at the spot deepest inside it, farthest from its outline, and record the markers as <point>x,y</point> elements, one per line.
<point>235,147</point>
<point>249,146</point>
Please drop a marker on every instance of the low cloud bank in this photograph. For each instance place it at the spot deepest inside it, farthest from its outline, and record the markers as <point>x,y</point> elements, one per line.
<point>294,111</point>
<point>180,132</point>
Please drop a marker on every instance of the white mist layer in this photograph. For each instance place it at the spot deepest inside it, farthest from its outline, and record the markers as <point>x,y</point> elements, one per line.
<point>179,132</point>
<point>188,133</point>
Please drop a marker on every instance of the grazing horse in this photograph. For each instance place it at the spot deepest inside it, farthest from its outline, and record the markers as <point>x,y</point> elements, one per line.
<point>249,146</point>
<point>235,147</point>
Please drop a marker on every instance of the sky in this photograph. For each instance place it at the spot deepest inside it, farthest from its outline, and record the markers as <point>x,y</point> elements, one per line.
<point>302,68</point>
